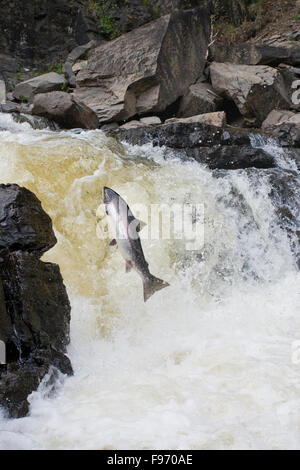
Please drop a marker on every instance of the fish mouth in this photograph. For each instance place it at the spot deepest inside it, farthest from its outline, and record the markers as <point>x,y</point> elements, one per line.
<point>109,195</point>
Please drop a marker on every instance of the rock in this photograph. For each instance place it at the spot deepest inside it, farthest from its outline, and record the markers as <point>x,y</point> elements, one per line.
<point>214,119</point>
<point>150,121</point>
<point>255,90</point>
<point>285,193</point>
<point>34,306</point>
<point>232,157</point>
<point>6,328</point>
<point>43,84</point>
<point>36,122</point>
<point>72,57</point>
<point>122,80</point>
<point>10,107</point>
<point>2,92</point>
<point>181,135</point>
<point>37,302</point>
<point>257,54</point>
<point>277,117</point>
<point>38,35</point>
<point>110,127</point>
<point>132,125</point>
<point>81,64</point>
<point>65,109</point>
<point>200,99</point>
<point>288,134</point>
<point>8,69</point>
<point>24,225</point>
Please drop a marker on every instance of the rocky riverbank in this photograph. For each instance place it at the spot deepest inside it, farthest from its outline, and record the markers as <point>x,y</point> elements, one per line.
<point>34,306</point>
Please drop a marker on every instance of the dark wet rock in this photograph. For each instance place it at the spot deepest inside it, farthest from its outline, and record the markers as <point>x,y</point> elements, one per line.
<point>232,157</point>
<point>122,80</point>
<point>285,194</point>
<point>36,122</point>
<point>24,225</point>
<point>34,305</point>
<point>36,301</point>
<point>288,134</point>
<point>184,135</point>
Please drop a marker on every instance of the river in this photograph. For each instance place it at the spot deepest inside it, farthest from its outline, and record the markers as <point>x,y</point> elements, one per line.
<point>208,363</point>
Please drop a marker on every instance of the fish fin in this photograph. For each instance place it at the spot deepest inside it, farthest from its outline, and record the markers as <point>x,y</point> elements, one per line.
<point>152,285</point>
<point>140,225</point>
<point>128,267</point>
<point>113,242</point>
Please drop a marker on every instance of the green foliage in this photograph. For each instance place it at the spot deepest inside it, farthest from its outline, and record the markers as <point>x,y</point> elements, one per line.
<point>296,16</point>
<point>23,99</point>
<point>104,12</point>
<point>64,87</point>
<point>56,67</point>
<point>17,76</point>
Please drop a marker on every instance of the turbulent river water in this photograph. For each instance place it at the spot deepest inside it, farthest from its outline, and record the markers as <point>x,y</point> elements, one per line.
<point>208,363</point>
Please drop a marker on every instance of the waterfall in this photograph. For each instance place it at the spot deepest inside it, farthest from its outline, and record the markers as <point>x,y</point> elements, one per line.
<point>210,362</point>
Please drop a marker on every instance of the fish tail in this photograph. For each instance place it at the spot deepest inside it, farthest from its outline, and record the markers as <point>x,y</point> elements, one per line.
<point>151,285</point>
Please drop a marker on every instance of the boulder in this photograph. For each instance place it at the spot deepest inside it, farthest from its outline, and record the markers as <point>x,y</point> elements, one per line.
<point>66,110</point>
<point>24,225</point>
<point>183,135</point>
<point>132,124</point>
<point>214,119</point>
<point>277,117</point>
<point>37,302</point>
<point>255,90</point>
<point>122,80</point>
<point>257,54</point>
<point>232,157</point>
<point>34,306</point>
<point>200,99</point>
<point>72,57</point>
<point>150,120</point>
<point>43,84</point>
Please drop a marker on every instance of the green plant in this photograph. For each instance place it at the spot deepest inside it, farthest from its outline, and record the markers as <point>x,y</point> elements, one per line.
<point>104,11</point>
<point>23,99</point>
<point>64,86</point>
<point>17,76</point>
<point>296,16</point>
<point>56,67</point>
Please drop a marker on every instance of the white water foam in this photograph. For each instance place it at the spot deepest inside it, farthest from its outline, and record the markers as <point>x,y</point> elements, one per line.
<point>206,363</point>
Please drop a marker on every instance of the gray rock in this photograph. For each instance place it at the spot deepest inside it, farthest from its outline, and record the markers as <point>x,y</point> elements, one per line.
<point>200,99</point>
<point>255,90</point>
<point>66,110</point>
<point>150,120</point>
<point>122,80</point>
<point>277,117</point>
<point>132,125</point>
<point>257,54</point>
<point>42,84</point>
<point>213,119</point>
<point>10,107</point>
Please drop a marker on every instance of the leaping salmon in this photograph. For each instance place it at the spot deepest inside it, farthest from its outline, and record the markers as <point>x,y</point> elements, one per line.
<point>126,229</point>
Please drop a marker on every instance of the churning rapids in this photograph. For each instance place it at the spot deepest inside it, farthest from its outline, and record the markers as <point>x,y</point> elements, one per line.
<point>209,362</point>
